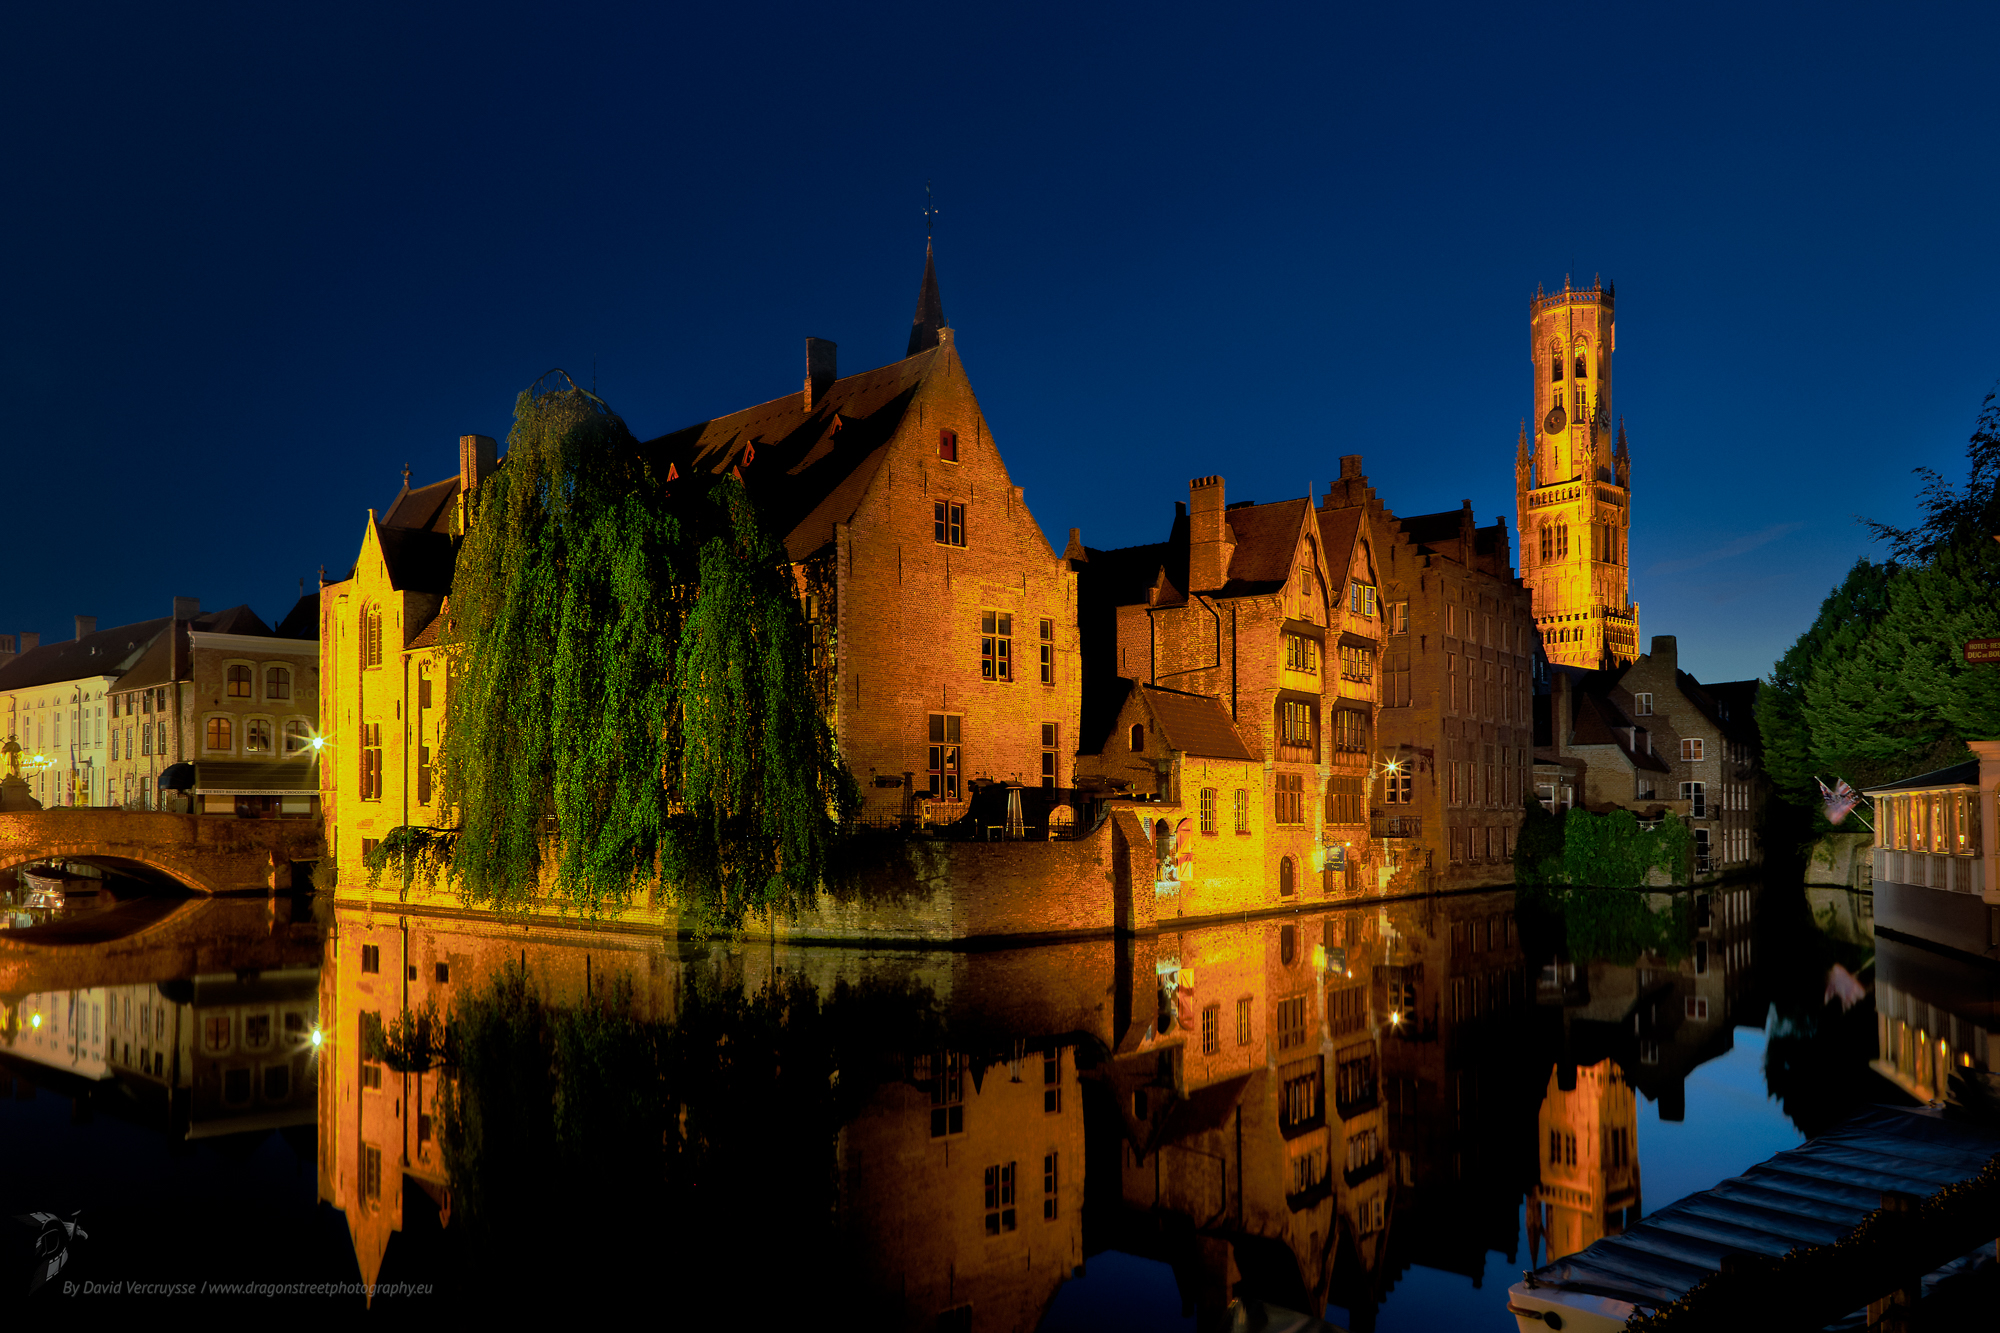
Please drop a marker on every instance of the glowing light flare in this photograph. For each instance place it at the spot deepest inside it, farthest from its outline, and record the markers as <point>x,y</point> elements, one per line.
<point>35,1022</point>
<point>317,1038</point>
<point>1395,1018</point>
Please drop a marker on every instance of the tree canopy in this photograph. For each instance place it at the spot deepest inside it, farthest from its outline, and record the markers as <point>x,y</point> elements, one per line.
<point>628,708</point>
<point>1877,687</point>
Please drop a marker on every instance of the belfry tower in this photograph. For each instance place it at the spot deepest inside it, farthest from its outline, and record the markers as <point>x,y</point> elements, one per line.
<point>1573,484</point>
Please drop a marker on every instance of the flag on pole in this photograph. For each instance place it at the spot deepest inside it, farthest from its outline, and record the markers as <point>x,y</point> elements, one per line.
<point>1840,801</point>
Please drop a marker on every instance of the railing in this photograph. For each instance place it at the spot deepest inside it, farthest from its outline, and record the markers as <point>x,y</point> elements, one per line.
<point>1952,874</point>
<point>1395,826</point>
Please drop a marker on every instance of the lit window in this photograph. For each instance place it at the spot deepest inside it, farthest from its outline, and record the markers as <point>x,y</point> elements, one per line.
<point>949,523</point>
<point>1243,1021</point>
<point>1691,750</point>
<point>996,645</point>
<point>1048,636</point>
<point>221,733</point>
<point>1301,653</point>
<point>239,682</point>
<point>298,735</point>
<point>1361,598</point>
<point>1208,813</point>
<point>944,756</point>
<point>1242,810</point>
<point>1048,754</point>
<point>1290,803</point>
<point>257,736</point>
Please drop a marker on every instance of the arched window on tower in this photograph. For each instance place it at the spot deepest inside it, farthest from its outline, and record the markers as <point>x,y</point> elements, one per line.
<point>1582,367</point>
<point>1555,363</point>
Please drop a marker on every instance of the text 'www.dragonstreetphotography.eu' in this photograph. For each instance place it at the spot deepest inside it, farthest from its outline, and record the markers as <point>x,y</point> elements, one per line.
<point>245,1289</point>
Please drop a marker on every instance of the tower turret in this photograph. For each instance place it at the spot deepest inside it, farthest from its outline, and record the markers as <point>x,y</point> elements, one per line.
<point>1573,500</point>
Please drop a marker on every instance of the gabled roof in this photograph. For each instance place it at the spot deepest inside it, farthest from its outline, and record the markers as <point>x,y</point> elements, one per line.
<point>119,651</point>
<point>108,652</point>
<point>1196,724</point>
<point>417,559</point>
<point>807,470</point>
<point>1267,542</point>
<point>302,621</point>
<point>161,664</point>
<point>427,634</point>
<point>427,507</point>
<point>1598,721</point>
<point>1338,529</point>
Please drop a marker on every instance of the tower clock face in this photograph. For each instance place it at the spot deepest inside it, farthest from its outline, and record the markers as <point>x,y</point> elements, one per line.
<point>1554,422</point>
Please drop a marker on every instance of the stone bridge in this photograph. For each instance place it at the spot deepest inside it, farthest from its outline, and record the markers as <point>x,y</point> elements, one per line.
<point>206,853</point>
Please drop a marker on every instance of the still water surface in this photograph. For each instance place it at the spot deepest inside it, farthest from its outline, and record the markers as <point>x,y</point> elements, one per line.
<point>1382,1111</point>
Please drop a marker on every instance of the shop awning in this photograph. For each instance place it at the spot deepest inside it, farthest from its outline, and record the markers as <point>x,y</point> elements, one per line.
<point>241,777</point>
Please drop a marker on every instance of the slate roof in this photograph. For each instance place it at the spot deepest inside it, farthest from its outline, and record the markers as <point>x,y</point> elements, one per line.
<point>1597,721</point>
<point>1810,1195</point>
<point>108,652</point>
<point>427,507</point>
<point>1338,529</point>
<point>807,471</point>
<point>302,621</point>
<point>1267,540</point>
<point>1958,775</point>
<point>427,634</point>
<point>418,560</point>
<point>1196,724</point>
<point>158,665</point>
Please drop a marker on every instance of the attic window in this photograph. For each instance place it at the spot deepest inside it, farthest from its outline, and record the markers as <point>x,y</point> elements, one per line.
<point>1642,705</point>
<point>1138,737</point>
<point>948,445</point>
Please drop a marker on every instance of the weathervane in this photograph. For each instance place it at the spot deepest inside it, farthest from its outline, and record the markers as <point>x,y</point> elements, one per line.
<point>930,210</point>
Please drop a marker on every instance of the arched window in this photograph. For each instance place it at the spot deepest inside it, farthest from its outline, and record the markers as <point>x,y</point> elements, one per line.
<point>221,734</point>
<point>278,683</point>
<point>371,636</point>
<point>239,682</point>
<point>1582,367</point>
<point>1138,737</point>
<point>1288,937</point>
<point>1287,880</point>
<point>1555,363</point>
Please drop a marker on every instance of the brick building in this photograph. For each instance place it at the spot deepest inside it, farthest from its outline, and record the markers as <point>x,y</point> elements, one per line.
<point>943,625</point>
<point>1273,612</point>
<point>1455,735</point>
<point>1573,484</point>
<point>1650,738</point>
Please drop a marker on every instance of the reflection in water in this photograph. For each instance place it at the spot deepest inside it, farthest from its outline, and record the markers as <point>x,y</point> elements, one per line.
<point>1319,1109</point>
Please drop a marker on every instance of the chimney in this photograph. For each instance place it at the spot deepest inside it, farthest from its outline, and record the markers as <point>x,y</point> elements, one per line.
<point>822,369</point>
<point>476,461</point>
<point>30,640</point>
<point>7,653</point>
<point>85,625</point>
<point>1666,651</point>
<point>1209,543</point>
<point>186,608</point>
<point>1350,490</point>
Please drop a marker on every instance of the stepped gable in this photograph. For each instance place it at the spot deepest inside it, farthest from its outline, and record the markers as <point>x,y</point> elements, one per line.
<point>807,468</point>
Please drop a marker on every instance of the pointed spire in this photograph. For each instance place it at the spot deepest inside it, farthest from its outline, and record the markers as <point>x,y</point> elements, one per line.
<point>1622,451</point>
<point>924,325</point>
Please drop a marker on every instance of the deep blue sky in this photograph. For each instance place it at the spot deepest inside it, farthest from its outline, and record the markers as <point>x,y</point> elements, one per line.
<point>262,256</point>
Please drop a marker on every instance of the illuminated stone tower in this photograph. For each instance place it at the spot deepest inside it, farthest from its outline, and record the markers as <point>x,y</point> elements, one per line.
<point>1573,484</point>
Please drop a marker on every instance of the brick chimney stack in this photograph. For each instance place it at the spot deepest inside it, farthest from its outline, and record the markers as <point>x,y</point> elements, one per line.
<point>85,625</point>
<point>477,457</point>
<point>30,640</point>
<point>1210,543</point>
<point>186,608</point>
<point>7,653</point>
<point>1666,651</point>
<point>822,369</point>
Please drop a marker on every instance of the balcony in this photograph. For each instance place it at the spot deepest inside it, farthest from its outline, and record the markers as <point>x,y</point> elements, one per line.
<point>1395,826</point>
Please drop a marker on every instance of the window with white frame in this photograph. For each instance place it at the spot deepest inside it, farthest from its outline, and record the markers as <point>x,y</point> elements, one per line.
<point>1696,793</point>
<point>1691,750</point>
<point>1642,705</point>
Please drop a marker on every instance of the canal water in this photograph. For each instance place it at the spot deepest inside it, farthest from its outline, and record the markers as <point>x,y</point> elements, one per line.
<point>1380,1112</point>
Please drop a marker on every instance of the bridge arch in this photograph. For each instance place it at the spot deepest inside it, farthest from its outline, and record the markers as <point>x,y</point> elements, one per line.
<point>206,853</point>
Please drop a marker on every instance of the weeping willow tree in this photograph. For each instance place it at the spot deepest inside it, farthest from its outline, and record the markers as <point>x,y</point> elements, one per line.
<point>629,708</point>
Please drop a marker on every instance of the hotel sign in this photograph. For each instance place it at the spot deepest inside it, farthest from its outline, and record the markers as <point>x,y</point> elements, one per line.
<point>1982,650</point>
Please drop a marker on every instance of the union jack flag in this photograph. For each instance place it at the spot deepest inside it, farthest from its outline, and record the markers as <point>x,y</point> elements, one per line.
<point>1840,801</point>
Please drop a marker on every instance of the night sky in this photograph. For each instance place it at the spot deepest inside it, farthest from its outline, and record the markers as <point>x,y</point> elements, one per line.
<point>260,257</point>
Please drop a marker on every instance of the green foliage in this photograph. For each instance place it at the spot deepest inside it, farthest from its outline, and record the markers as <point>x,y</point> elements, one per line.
<point>629,705</point>
<point>1877,688</point>
<point>1620,926</point>
<point>1605,851</point>
<point>685,1138</point>
<point>415,852</point>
